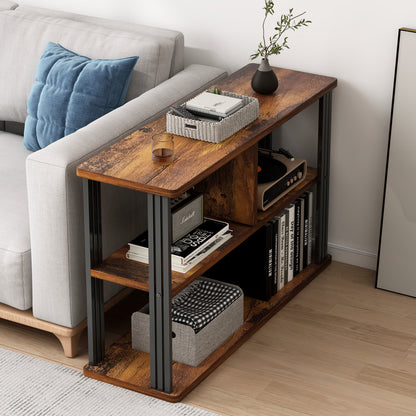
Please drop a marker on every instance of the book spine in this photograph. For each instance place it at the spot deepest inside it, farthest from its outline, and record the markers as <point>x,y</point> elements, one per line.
<point>269,262</point>
<point>282,235</point>
<point>286,248</point>
<point>144,259</point>
<point>141,251</point>
<point>297,237</point>
<point>311,201</point>
<point>302,224</point>
<point>291,242</point>
<point>275,223</point>
<point>305,230</point>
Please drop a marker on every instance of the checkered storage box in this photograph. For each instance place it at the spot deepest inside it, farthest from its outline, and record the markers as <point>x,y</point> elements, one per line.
<point>204,315</point>
<point>215,131</point>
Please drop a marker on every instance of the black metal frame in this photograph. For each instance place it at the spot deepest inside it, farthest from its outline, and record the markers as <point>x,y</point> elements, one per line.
<point>93,256</point>
<point>322,203</point>
<point>160,289</point>
<point>160,284</point>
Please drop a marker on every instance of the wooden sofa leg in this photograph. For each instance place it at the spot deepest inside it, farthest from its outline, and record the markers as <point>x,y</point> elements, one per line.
<point>68,337</point>
<point>69,344</point>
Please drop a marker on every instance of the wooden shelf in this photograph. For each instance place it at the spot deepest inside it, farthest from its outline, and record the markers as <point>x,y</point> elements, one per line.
<point>118,269</point>
<point>128,368</point>
<point>128,162</point>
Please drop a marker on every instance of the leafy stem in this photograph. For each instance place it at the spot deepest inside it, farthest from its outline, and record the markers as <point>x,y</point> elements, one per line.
<point>275,43</point>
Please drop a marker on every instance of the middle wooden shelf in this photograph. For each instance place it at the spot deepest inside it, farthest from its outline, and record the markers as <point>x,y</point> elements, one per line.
<point>118,269</point>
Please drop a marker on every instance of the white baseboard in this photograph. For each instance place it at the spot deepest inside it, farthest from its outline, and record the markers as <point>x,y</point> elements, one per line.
<point>353,256</point>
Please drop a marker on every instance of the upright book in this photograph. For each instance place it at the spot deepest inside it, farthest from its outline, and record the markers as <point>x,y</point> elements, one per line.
<point>250,265</point>
<point>275,241</point>
<point>305,199</point>
<point>291,241</point>
<point>310,216</point>
<point>286,246</point>
<point>281,250</point>
<point>298,254</point>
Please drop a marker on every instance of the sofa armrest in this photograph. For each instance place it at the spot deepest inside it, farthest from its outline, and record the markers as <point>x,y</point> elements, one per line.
<point>55,198</point>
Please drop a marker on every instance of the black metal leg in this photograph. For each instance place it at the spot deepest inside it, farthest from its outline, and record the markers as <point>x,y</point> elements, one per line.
<point>322,203</point>
<point>160,240</point>
<point>93,256</point>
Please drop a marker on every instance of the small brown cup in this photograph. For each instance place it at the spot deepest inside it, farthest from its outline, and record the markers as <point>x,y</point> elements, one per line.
<point>162,148</point>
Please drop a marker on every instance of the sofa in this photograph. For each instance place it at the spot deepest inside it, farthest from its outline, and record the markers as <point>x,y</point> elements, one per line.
<point>42,266</point>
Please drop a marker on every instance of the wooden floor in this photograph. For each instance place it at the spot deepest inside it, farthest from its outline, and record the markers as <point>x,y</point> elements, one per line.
<point>340,347</point>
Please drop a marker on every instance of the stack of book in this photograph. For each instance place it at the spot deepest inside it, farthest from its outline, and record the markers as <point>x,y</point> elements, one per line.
<point>274,255</point>
<point>189,250</point>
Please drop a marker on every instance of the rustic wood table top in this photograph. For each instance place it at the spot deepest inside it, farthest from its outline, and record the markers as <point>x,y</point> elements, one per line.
<point>128,163</point>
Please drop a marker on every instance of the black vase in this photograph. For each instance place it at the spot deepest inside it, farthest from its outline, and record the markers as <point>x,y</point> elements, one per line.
<point>264,80</point>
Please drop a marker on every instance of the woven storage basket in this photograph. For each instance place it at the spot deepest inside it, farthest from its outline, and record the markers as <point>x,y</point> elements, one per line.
<point>190,347</point>
<point>215,131</point>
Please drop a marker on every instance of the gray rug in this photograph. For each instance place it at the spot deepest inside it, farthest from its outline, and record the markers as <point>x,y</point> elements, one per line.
<point>33,387</point>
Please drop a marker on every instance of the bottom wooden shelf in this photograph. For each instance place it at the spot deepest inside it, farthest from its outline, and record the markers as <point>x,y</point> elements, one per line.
<point>128,368</point>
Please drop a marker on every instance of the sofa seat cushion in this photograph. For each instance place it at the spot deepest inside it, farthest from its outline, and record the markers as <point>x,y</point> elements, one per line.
<point>71,91</point>
<point>24,36</point>
<point>15,263</point>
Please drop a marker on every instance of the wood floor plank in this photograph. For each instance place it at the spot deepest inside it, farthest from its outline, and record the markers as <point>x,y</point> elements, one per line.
<point>358,289</point>
<point>397,381</point>
<point>227,403</point>
<point>236,381</point>
<point>409,362</point>
<point>324,395</point>
<point>344,326</point>
<point>385,320</point>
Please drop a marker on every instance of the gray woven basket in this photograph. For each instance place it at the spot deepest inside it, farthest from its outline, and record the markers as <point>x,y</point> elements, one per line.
<point>215,131</point>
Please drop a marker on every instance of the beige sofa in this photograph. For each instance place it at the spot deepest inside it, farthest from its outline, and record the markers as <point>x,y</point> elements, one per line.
<point>42,268</point>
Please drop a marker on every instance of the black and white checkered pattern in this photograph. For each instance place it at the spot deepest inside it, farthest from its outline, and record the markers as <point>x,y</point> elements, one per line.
<point>202,302</point>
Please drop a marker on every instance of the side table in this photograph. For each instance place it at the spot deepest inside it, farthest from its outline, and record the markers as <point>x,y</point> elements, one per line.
<point>231,164</point>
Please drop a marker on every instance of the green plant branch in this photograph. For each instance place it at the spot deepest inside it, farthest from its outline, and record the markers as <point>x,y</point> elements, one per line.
<point>264,35</point>
<point>287,21</point>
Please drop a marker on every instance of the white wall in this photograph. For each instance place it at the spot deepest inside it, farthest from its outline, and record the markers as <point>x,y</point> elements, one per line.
<point>354,41</point>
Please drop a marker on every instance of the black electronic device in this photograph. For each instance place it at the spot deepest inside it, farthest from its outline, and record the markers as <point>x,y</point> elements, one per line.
<point>278,173</point>
<point>183,112</point>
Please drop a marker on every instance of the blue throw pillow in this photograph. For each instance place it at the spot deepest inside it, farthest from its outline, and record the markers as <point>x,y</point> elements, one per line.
<point>71,91</point>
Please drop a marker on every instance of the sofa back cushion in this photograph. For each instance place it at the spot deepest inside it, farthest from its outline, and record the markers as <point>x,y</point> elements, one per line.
<point>24,35</point>
<point>168,36</point>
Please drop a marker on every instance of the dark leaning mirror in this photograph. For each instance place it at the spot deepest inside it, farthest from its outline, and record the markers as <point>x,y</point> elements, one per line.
<point>396,269</point>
